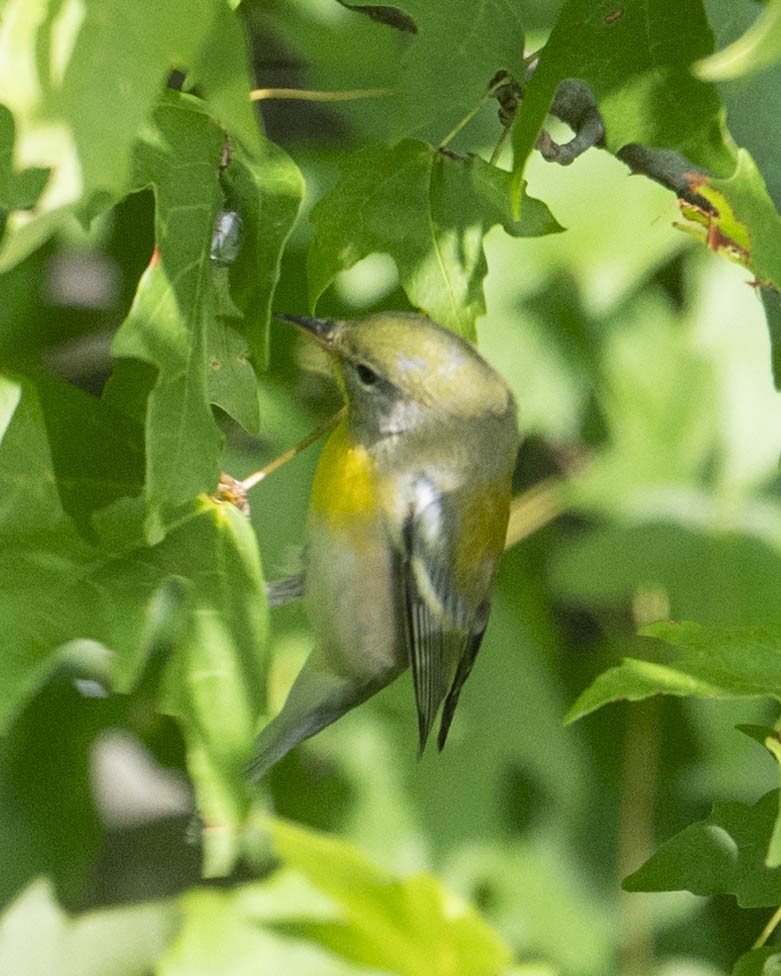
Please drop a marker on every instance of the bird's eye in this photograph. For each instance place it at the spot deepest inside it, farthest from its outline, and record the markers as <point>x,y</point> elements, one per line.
<point>366,374</point>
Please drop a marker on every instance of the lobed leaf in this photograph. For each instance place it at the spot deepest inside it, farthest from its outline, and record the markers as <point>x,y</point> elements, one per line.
<point>458,48</point>
<point>721,855</point>
<point>169,322</point>
<point>744,663</point>
<point>411,926</point>
<point>429,211</point>
<point>634,57</point>
<point>101,612</point>
<point>91,81</point>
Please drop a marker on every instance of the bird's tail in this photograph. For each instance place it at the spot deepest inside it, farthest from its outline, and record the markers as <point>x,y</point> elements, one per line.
<point>316,699</point>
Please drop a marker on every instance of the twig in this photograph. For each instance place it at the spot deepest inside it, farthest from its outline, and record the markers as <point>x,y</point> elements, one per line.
<point>258,476</point>
<point>767,931</point>
<point>303,95</point>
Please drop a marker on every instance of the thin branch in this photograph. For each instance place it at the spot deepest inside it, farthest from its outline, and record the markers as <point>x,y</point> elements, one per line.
<point>767,931</point>
<point>316,434</point>
<point>303,95</point>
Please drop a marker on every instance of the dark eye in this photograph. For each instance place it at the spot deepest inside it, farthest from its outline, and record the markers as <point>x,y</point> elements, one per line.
<point>366,374</point>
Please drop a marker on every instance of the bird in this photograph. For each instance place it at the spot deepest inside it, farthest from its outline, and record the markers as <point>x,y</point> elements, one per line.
<point>407,521</point>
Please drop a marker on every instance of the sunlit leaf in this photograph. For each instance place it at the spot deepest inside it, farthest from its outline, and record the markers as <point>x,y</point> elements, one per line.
<point>429,211</point>
<point>758,48</point>
<point>411,926</point>
<point>91,79</point>
<point>168,324</point>
<point>635,58</point>
<point>37,936</point>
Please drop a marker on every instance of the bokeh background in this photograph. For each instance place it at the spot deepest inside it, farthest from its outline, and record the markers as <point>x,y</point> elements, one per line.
<point>641,366</point>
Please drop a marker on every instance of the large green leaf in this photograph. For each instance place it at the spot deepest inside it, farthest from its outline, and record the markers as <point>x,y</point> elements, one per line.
<point>411,926</point>
<point>429,211</point>
<point>82,79</point>
<point>459,47</point>
<point>721,855</point>
<point>184,321</point>
<point>635,59</point>
<point>198,597</point>
<point>709,664</point>
<point>168,325</point>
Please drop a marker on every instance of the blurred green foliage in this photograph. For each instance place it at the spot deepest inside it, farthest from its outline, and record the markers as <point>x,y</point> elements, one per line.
<point>136,363</point>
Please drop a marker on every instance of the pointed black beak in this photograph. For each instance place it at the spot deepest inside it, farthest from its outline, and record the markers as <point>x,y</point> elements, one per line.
<point>321,329</point>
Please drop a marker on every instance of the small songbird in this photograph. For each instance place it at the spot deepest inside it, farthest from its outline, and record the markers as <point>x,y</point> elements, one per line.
<point>407,521</point>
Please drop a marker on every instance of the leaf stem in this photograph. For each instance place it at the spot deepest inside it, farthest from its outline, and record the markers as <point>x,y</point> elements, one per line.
<point>258,476</point>
<point>489,93</point>
<point>767,931</point>
<point>500,144</point>
<point>303,95</point>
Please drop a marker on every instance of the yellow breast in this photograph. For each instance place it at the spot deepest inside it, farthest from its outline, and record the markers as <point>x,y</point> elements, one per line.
<point>345,483</point>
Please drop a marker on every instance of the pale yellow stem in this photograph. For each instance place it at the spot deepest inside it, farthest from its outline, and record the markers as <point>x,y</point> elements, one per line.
<point>303,95</point>
<point>258,476</point>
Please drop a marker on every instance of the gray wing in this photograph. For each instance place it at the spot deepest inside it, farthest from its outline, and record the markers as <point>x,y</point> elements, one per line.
<point>443,633</point>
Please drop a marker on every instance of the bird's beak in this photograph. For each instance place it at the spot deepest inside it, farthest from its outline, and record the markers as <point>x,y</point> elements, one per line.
<point>322,329</point>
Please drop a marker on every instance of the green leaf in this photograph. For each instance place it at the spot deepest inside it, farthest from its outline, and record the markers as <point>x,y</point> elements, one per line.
<point>634,57</point>
<point>37,936</point>
<point>220,64</point>
<point>411,926</point>
<point>92,77</point>
<point>168,324</point>
<point>226,933</point>
<point>772,307</point>
<point>759,962</point>
<point>459,47</point>
<point>429,211</point>
<point>265,188</point>
<point>18,190</point>
<point>232,381</point>
<point>721,855</point>
<point>198,596</point>
<point>745,226</point>
<point>217,681</point>
<point>743,663</point>
<point>756,50</point>
<point>40,553</point>
<point>98,453</point>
